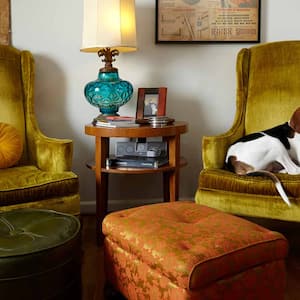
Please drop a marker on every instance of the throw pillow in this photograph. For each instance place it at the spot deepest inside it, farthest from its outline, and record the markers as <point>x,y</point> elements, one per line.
<point>11,145</point>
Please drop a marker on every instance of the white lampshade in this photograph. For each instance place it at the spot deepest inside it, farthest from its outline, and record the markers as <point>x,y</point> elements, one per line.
<point>109,24</point>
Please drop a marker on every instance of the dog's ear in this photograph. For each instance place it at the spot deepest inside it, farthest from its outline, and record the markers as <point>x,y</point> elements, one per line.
<point>295,120</point>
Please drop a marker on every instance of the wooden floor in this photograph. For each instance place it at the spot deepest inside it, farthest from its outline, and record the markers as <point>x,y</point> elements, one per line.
<point>92,267</point>
<point>92,262</point>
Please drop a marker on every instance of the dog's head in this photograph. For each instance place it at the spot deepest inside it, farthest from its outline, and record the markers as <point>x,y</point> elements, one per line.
<point>295,120</point>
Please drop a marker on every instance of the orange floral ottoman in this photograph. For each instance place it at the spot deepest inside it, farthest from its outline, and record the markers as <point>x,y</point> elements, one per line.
<point>183,250</point>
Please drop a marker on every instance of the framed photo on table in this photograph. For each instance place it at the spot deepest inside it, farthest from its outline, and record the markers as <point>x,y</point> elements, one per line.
<point>151,102</point>
<point>194,21</point>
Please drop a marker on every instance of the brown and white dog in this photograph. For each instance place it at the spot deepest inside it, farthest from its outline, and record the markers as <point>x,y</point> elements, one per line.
<point>267,152</point>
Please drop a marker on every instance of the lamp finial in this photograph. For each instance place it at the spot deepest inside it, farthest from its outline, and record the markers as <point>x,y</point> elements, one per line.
<point>109,55</point>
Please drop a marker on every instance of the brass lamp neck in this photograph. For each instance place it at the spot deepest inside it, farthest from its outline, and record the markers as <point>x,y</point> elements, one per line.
<point>108,54</point>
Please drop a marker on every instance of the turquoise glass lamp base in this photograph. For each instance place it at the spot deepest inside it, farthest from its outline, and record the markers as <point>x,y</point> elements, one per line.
<point>108,92</point>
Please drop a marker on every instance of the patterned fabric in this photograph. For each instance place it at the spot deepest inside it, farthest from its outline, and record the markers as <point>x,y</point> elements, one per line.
<point>137,281</point>
<point>187,247</point>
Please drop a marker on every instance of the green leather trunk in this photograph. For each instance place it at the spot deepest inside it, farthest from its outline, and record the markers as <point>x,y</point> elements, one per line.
<point>40,255</point>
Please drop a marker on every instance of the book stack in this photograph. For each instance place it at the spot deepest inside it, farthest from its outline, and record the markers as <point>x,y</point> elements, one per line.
<point>115,121</point>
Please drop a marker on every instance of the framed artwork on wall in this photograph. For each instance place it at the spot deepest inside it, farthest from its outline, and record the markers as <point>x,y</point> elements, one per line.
<point>5,22</point>
<point>194,21</point>
<point>151,102</point>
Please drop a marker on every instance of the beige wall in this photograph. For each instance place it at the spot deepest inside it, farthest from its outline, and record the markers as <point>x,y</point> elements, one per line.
<point>200,80</point>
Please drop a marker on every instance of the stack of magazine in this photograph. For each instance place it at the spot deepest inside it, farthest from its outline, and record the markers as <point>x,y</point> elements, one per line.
<point>146,155</point>
<point>115,121</point>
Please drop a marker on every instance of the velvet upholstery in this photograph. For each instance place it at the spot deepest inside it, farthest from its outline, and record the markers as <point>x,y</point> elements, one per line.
<point>43,177</point>
<point>181,250</point>
<point>268,92</point>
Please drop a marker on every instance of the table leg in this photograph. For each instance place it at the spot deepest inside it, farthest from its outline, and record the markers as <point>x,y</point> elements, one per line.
<point>101,153</point>
<point>174,160</point>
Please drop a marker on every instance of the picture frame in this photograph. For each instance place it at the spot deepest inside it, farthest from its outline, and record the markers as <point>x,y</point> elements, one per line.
<point>196,21</point>
<point>151,102</point>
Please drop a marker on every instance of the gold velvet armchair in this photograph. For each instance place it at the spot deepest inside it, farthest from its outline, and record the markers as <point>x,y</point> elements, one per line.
<point>42,177</point>
<point>268,92</point>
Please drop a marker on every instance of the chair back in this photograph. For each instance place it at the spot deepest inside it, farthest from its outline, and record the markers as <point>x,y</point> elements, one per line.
<point>269,83</point>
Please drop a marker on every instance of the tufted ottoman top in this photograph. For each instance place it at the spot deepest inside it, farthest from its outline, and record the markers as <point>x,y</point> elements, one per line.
<point>26,231</point>
<point>191,244</point>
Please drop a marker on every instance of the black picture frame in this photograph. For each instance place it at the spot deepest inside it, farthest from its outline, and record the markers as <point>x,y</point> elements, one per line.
<point>197,21</point>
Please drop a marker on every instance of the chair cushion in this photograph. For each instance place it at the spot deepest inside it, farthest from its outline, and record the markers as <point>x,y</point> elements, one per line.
<point>28,183</point>
<point>192,245</point>
<point>11,145</point>
<point>219,179</point>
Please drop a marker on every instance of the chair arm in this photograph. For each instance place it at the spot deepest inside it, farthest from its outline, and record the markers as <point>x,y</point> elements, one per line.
<point>54,155</point>
<point>214,148</point>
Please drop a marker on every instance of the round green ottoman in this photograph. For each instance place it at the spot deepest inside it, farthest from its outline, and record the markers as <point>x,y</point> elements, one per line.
<point>40,255</point>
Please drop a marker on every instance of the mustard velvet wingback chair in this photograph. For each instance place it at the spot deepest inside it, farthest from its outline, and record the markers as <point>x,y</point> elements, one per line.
<point>268,92</point>
<point>42,177</point>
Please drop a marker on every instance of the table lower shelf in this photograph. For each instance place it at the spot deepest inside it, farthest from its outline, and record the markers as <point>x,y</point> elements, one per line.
<point>123,170</point>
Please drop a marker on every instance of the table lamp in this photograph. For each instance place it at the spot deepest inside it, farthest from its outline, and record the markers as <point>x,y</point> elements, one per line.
<point>109,27</point>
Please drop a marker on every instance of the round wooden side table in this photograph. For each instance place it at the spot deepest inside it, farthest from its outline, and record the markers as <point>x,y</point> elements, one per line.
<point>170,134</point>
